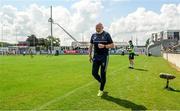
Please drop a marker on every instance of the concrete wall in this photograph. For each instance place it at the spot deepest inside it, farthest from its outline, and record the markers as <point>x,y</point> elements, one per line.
<point>155,50</point>
<point>172,58</point>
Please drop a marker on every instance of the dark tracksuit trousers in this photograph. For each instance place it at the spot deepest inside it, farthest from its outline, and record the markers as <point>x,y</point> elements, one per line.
<point>100,62</point>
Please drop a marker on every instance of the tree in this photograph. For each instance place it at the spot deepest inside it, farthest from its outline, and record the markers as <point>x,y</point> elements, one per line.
<point>5,44</point>
<point>41,42</point>
<point>32,40</point>
<point>55,41</point>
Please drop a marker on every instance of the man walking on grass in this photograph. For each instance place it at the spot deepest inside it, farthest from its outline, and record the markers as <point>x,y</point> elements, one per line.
<point>101,42</point>
<point>131,55</point>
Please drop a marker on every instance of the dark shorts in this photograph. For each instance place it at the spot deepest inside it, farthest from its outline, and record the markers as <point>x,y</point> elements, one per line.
<point>100,57</point>
<point>131,56</point>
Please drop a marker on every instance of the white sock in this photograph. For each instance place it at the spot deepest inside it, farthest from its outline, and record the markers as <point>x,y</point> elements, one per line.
<point>132,65</point>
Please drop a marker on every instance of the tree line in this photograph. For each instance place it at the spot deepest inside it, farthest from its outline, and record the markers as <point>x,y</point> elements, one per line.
<point>44,43</point>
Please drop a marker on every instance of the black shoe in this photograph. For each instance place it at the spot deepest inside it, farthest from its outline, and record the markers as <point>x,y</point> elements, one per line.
<point>131,68</point>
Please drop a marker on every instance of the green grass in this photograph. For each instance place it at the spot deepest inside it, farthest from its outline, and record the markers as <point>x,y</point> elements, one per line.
<point>66,83</point>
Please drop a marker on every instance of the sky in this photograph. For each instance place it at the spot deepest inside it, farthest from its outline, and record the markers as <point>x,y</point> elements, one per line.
<point>123,19</point>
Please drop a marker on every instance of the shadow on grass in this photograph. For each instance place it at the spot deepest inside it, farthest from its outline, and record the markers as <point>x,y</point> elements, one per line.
<point>139,69</point>
<point>123,102</point>
<point>172,89</point>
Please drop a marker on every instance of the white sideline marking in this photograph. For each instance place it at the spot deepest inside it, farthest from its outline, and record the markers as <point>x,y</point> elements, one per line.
<point>71,92</point>
<point>66,95</point>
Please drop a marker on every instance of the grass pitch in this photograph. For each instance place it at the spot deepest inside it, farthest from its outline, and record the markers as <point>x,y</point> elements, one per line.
<point>65,83</point>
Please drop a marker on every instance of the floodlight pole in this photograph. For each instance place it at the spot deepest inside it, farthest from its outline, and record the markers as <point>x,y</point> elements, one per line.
<point>16,41</point>
<point>51,30</point>
<point>51,21</point>
<point>2,35</point>
<point>16,37</point>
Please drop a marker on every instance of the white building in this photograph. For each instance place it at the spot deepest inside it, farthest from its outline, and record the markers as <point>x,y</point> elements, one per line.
<point>163,41</point>
<point>120,45</point>
<point>166,35</point>
<point>171,34</point>
<point>84,45</point>
<point>81,45</point>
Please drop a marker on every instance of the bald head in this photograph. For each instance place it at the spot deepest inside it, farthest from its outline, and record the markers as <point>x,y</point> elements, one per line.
<point>99,28</point>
